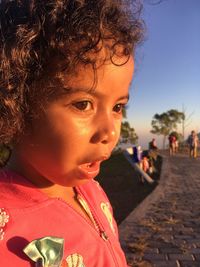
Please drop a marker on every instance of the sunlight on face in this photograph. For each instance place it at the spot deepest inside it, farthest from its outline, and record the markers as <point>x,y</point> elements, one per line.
<point>81,128</point>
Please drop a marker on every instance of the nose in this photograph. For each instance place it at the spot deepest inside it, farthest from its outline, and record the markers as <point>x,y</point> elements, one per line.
<point>106,130</point>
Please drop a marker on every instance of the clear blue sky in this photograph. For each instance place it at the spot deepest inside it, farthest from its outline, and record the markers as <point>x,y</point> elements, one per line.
<point>167,66</point>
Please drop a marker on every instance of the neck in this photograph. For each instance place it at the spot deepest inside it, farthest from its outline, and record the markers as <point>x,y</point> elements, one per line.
<point>49,188</point>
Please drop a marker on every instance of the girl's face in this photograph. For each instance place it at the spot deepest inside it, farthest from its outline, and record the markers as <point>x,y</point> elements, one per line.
<point>79,129</point>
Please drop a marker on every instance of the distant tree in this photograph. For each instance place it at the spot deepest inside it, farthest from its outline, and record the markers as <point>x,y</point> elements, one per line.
<point>164,123</point>
<point>128,134</point>
<point>186,121</point>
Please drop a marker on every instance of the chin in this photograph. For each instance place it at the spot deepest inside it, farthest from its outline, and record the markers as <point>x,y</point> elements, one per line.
<point>70,181</point>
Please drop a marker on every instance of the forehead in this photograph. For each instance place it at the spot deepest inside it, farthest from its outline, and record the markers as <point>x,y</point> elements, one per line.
<point>86,79</point>
<point>89,78</point>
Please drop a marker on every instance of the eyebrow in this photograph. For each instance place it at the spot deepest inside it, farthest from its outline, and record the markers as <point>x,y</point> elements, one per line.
<point>69,90</point>
<point>126,97</point>
<point>74,90</point>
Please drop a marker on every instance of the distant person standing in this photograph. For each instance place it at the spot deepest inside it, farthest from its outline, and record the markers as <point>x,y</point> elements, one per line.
<point>193,143</point>
<point>176,146</point>
<point>137,154</point>
<point>172,144</point>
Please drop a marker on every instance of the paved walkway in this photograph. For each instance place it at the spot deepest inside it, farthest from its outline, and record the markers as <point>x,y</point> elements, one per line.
<point>164,230</point>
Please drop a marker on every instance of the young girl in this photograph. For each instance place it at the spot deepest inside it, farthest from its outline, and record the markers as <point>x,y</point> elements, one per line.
<point>66,67</point>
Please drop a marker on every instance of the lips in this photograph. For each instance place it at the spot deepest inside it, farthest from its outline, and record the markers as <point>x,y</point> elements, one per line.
<point>91,169</point>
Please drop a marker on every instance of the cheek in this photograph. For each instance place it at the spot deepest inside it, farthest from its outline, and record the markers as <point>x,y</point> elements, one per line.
<point>70,134</point>
<point>82,128</point>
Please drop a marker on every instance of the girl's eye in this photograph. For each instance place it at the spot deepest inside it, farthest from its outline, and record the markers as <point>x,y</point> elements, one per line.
<point>118,108</point>
<point>83,105</point>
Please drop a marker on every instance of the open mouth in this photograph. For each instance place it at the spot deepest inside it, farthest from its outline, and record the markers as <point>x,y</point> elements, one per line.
<point>89,170</point>
<point>90,167</point>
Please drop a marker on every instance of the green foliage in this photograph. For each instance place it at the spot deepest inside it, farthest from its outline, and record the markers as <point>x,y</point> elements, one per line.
<point>128,134</point>
<point>164,123</point>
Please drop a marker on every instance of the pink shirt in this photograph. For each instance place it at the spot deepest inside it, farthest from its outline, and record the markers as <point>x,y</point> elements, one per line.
<point>33,215</point>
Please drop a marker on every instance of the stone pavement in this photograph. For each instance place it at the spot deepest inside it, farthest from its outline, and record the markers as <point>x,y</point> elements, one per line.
<point>164,230</point>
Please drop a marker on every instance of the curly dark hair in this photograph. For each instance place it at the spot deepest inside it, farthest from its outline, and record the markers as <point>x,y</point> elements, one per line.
<point>41,39</point>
